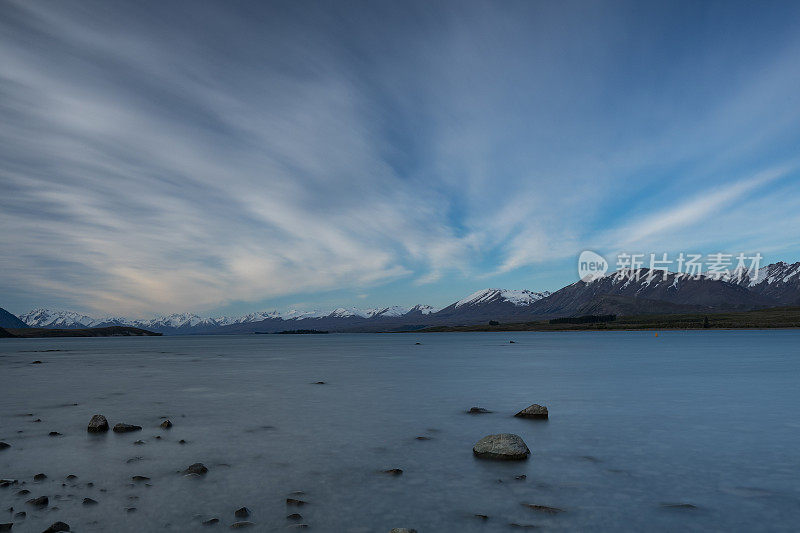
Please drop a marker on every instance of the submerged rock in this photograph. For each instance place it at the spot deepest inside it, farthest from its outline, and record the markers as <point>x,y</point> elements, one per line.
<point>211,522</point>
<point>197,468</point>
<point>478,411</point>
<point>543,508</point>
<point>243,512</point>
<point>55,434</point>
<point>239,525</point>
<point>504,446</point>
<point>393,471</point>
<point>98,424</point>
<point>295,516</point>
<point>39,477</point>
<point>402,530</point>
<point>533,411</point>
<point>166,424</point>
<point>57,526</point>
<point>6,526</point>
<point>126,428</point>
<point>140,478</point>
<point>89,501</point>
<point>294,501</point>
<point>41,501</point>
<point>4,445</point>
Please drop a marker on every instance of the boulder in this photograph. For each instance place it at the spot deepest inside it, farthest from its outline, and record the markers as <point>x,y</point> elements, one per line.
<point>533,411</point>
<point>57,526</point>
<point>39,477</point>
<point>197,468</point>
<point>41,501</point>
<point>98,424</point>
<point>505,446</point>
<point>126,428</point>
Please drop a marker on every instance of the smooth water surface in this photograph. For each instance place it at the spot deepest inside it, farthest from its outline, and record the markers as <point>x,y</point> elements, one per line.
<point>684,431</point>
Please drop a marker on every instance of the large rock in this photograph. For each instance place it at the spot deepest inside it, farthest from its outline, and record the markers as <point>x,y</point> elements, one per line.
<point>533,411</point>
<point>126,428</point>
<point>506,446</point>
<point>98,424</point>
<point>197,468</point>
<point>57,526</point>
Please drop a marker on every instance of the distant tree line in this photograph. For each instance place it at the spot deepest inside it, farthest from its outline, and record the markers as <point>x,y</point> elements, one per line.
<point>586,319</point>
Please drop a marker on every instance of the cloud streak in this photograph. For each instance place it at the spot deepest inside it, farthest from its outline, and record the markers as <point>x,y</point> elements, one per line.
<point>161,158</point>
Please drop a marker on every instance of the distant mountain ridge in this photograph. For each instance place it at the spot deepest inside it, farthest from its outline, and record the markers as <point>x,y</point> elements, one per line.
<point>624,292</point>
<point>8,320</point>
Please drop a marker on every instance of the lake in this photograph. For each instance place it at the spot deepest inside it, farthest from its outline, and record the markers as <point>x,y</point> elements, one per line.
<point>683,431</point>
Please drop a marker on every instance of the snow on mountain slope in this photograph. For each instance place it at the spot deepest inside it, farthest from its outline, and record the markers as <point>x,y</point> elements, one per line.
<point>519,298</point>
<point>46,318</point>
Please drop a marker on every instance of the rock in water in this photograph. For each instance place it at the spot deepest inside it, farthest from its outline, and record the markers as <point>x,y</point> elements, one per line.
<point>126,428</point>
<point>166,424</point>
<point>478,411</point>
<point>197,468</point>
<point>505,446</point>
<point>57,526</point>
<point>402,530</point>
<point>6,526</point>
<point>239,525</point>
<point>244,512</point>
<point>4,445</point>
<point>98,424</point>
<point>533,411</point>
<point>89,501</point>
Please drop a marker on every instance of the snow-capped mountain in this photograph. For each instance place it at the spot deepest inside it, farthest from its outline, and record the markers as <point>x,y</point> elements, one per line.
<point>46,318</point>
<point>779,281</point>
<point>624,292</point>
<point>516,297</point>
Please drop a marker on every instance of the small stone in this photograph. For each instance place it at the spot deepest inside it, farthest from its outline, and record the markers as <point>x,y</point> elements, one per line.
<point>239,525</point>
<point>39,477</point>
<point>130,510</point>
<point>295,516</point>
<point>7,526</point>
<point>521,477</point>
<point>72,476</point>
<point>23,492</point>
<point>41,501</point>
<point>505,446</point>
<point>4,445</point>
<point>197,468</point>
<point>244,512</point>
<point>89,501</point>
<point>319,383</point>
<point>533,411</point>
<point>511,342</point>
<point>55,434</point>
<point>482,516</point>
<point>38,420</point>
<point>478,411</point>
<point>181,441</point>
<point>211,522</point>
<point>126,428</point>
<point>294,501</point>
<point>422,437</point>
<point>97,424</point>
<point>140,478</point>
<point>37,362</point>
<point>21,514</point>
<point>166,424</point>
<point>393,471</point>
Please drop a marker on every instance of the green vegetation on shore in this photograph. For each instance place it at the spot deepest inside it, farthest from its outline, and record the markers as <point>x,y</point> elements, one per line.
<point>775,317</point>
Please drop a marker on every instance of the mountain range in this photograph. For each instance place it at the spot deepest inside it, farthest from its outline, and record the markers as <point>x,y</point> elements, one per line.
<point>624,292</point>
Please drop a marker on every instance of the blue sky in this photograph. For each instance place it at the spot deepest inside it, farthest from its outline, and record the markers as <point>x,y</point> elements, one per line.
<point>228,157</point>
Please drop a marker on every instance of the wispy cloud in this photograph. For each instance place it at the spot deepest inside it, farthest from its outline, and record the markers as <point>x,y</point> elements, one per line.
<point>158,157</point>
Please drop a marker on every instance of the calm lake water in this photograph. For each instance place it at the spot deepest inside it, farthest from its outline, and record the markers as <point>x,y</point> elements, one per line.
<point>641,428</point>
